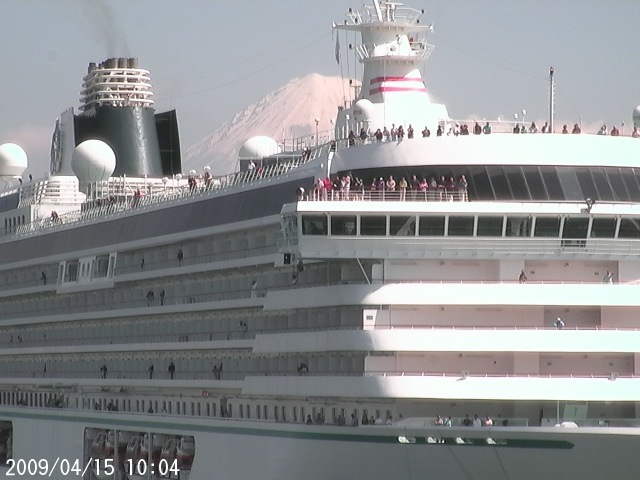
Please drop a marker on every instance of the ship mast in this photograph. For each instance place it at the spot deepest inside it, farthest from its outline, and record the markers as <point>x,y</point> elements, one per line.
<point>552,99</point>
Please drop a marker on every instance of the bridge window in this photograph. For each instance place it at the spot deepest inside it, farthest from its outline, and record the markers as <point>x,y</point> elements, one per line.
<point>629,228</point>
<point>343,225</point>
<point>314,225</point>
<point>603,228</point>
<point>518,227</point>
<point>489,226</point>
<point>431,226</point>
<point>461,226</point>
<point>402,226</point>
<point>575,227</point>
<point>373,225</point>
<point>547,227</point>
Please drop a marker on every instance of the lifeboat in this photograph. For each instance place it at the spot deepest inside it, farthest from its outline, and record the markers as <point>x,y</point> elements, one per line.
<point>168,458</point>
<point>139,450</point>
<point>102,449</point>
<point>186,451</point>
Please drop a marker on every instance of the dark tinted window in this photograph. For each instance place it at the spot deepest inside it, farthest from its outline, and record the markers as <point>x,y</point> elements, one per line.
<point>489,227</point>
<point>552,183</point>
<point>373,225</point>
<point>535,183</point>
<point>587,185</point>
<point>460,226</point>
<point>575,227</point>
<point>547,227</point>
<point>314,225</point>
<point>617,185</point>
<point>631,182</point>
<point>479,185</point>
<point>499,182</point>
<point>518,227</point>
<point>569,183</point>
<point>343,225</point>
<point>517,183</point>
<point>402,226</point>
<point>602,184</point>
<point>629,228</point>
<point>431,226</point>
<point>603,227</point>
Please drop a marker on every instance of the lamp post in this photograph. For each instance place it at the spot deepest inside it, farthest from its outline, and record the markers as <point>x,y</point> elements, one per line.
<point>524,112</point>
<point>317,120</point>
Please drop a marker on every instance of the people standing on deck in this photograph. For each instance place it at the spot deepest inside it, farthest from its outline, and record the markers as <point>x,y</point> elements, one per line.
<point>463,186</point>
<point>614,131</point>
<point>180,257</point>
<point>476,421</point>
<point>162,297</point>
<point>635,133</point>
<point>391,184</point>
<point>545,128</point>
<point>426,132</point>
<point>487,128</point>
<point>608,278</point>
<point>400,133</point>
<point>576,129</point>
<point>477,129</point>
<point>533,128</point>
<point>43,277</point>
<point>558,323</point>
<point>150,297</point>
<point>403,188</point>
<point>363,135</point>
<point>603,130</point>
<point>151,369</point>
<point>378,135</point>
<point>172,370</point>
<point>386,134</point>
<point>440,131</point>
<point>254,289</point>
<point>352,138</point>
<point>394,132</point>
<point>410,131</point>
<point>565,130</point>
<point>523,277</point>
<point>103,371</point>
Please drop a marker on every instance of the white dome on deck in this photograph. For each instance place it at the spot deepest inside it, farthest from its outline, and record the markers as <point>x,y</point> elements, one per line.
<point>13,160</point>
<point>93,161</point>
<point>363,110</point>
<point>636,116</point>
<point>259,147</point>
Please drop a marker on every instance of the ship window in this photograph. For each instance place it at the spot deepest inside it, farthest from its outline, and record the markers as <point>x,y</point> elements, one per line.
<point>284,413</point>
<point>461,226</point>
<point>488,226</point>
<point>499,183</point>
<point>569,183</point>
<point>629,228</point>
<point>547,227</point>
<point>431,227</point>
<point>518,227</point>
<point>314,225</point>
<point>265,412</point>
<point>343,225</point>
<point>402,226</point>
<point>517,183</point>
<point>101,266</point>
<point>535,183</point>
<point>631,181</point>
<point>248,411</point>
<point>479,181</point>
<point>602,184</point>
<point>241,410</point>
<point>619,188</point>
<point>258,412</point>
<point>603,228</point>
<point>587,185</point>
<point>552,183</point>
<point>295,414</point>
<point>302,417</point>
<point>71,271</point>
<point>373,225</point>
<point>575,227</point>
<point>275,413</point>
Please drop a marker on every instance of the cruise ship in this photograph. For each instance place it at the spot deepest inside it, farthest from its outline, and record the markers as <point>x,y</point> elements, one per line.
<point>445,301</point>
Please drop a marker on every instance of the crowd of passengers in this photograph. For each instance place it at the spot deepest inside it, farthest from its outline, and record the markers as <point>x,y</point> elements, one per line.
<point>398,133</point>
<point>348,187</point>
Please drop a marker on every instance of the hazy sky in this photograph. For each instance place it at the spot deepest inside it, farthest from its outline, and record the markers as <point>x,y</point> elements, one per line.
<point>209,58</point>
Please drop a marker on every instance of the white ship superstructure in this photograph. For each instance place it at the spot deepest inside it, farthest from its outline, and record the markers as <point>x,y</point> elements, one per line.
<point>289,321</point>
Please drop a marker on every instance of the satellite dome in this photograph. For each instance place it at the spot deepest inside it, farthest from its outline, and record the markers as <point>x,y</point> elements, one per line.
<point>636,116</point>
<point>259,147</point>
<point>93,161</point>
<point>13,160</point>
<point>363,110</point>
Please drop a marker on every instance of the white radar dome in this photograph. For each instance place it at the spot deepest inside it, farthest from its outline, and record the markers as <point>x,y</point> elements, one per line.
<point>93,161</point>
<point>363,110</point>
<point>13,160</point>
<point>259,147</point>
<point>636,116</point>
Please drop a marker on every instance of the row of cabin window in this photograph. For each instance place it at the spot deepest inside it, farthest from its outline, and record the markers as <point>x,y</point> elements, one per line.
<point>468,226</point>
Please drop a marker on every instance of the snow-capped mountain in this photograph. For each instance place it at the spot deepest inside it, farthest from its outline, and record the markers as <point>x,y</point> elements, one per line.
<point>285,114</point>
